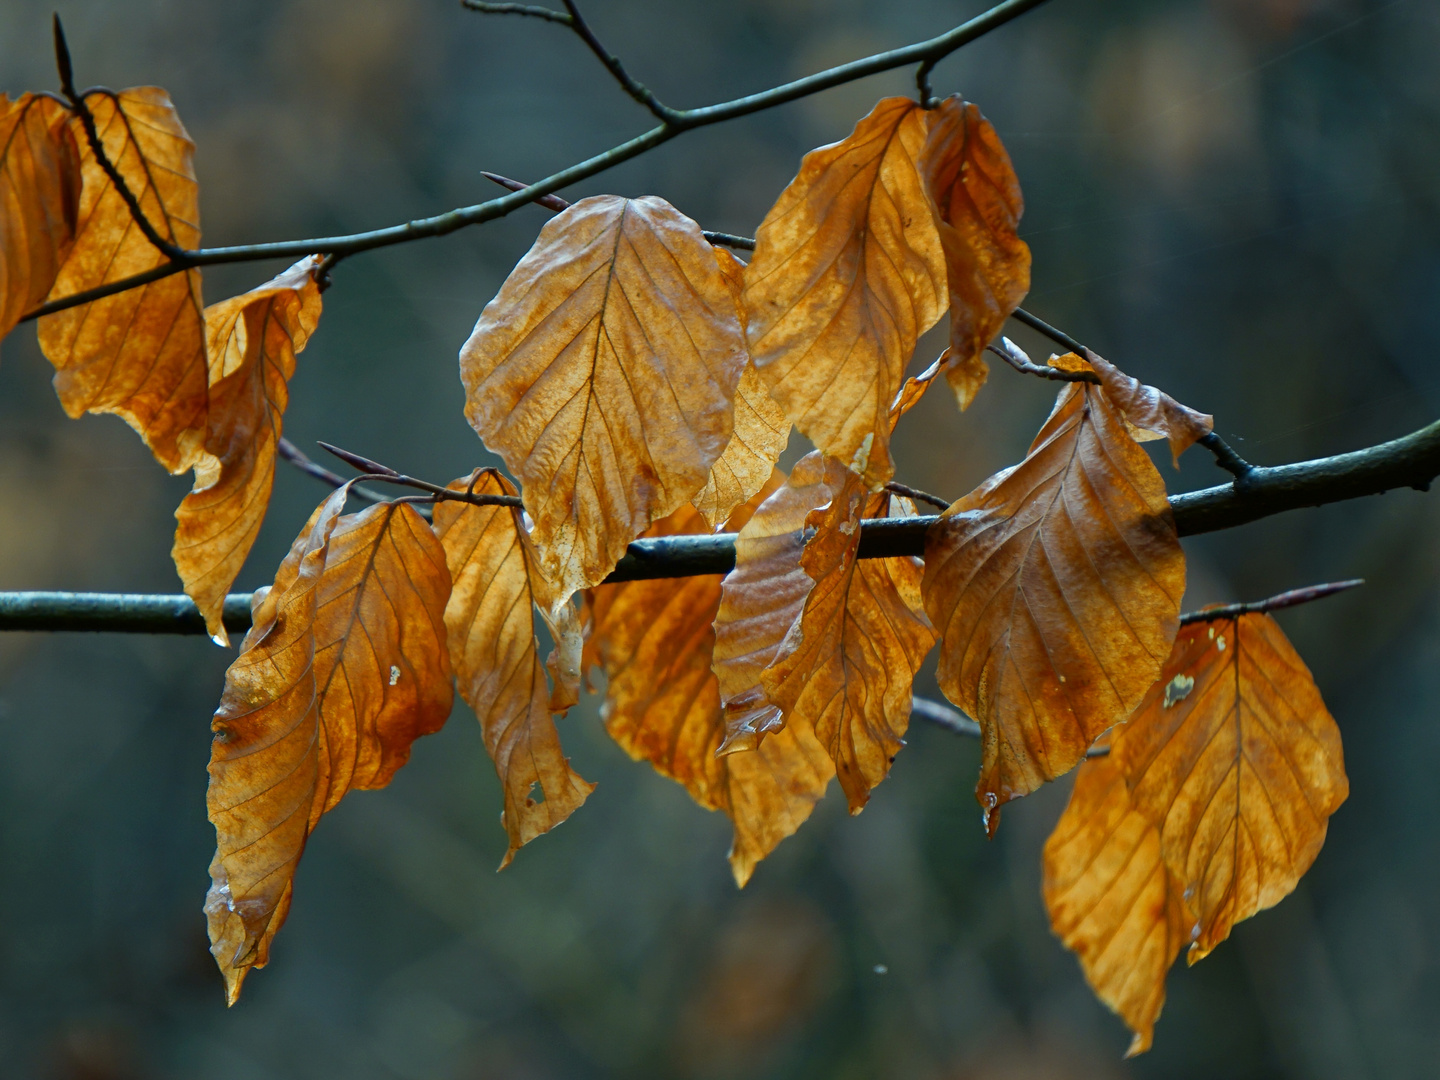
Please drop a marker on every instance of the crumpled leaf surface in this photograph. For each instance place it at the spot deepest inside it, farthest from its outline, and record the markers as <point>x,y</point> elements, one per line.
<point>1151,413</point>
<point>39,200</point>
<point>343,669</point>
<point>1055,587</point>
<point>848,273</point>
<point>141,353</point>
<point>1111,899</point>
<point>847,665</point>
<point>251,341</point>
<point>604,374</point>
<point>764,596</point>
<point>761,429</point>
<point>654,640</point>
<point>496,658</point>
<point>977,203</point>
<point>1236,759</point>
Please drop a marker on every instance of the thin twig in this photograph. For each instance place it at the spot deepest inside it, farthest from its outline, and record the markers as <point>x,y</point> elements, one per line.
<point>916,495</point>
<point>683,120</point>
<point>1283,600</point>
<point>637,90</point>
<point>171,251</point>
<point>927,97</point>
<point>386,475</point>
<point>517,9</point>
<point>1013,355</point>
<point>1225,456</point>
<point>954,720</point>
<point>302,461</point>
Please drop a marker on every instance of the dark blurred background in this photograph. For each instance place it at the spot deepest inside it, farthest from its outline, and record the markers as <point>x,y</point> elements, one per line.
<point>1237,200</point>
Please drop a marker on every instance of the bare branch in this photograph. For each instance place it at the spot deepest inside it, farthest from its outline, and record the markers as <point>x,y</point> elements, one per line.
<point>915,494</point>
<point>680,121</point>
<point>635,89</point>
<point>1292,598</point>
<point>1013,355</point>
<point>517,9</point>
<point>386,475</point>
<point>297,457</point>
<point>954,720</point>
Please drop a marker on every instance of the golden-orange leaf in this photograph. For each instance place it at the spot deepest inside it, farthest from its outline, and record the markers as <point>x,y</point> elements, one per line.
<point>764,595</point>
<point>1236,759</point>
<point>848,273</point>
<point>654,640</point>
<point>251,341</point>
<point>498,585</point>
<point>847,665</point>
<point>1055,587</point>
<point>39,196</point>
<point>761,430</point>
<point>604,373</point>
<point>1151,413</point>
<point>977,203</point>
<point>141,353</point>
<point>1111,900</point>
<point>344,667</point>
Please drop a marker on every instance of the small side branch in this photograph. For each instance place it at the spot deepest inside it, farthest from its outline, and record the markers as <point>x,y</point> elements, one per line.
<point>530,10</point>
<point>1292,598</point>
<point>916,495</point>
<point>386,475</point>
<point>954,720</point>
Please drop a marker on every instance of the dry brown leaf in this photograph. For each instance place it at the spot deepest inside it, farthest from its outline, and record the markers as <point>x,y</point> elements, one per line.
<point>490,616</point>
<point>344,668</point>
<point>39,200</point>
<point>604,374</point>
<point>1151,413</point>
<point>761,430</point>
<point>848,273</point>
<point>764,595</point>
<point>847,666</point>
<point>141,353</point>
<point>251,341</point>
<point>1111,900</point>
<point>914,389</point>
<point>654,639</point>
<point>1055,587</point>
<point>1236,759</point>
<point>977,203</point>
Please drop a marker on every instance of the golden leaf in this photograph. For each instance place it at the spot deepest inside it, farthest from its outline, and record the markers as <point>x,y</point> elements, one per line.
<point>344,668</point>
<point>1151,413</point>
<point>39,196</point>
<point>1055,586</point>
<point>848,273</point>
<point>847,665</point>
<point>654,639</point>
<point>141,353</point>
<point>1111,900</point>
<point>977,203</point>
<point>498,585</point>
<point>764,595</point>
<point>761,430</point>
<point>252,341</point>
<point>604,374</point>
<point>1236,759</point>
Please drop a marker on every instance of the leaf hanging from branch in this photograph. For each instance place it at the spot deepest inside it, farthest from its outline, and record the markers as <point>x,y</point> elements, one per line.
<point>251,341</point>
<point>1111,899</point>
<point>1151,413</point>
<point>761,430</point>
<point>654,639</point>
<point>977,203</point>
<point>1056,589</point>
<point>847,666</point>
<point>140,353</point>
<point>343,669</point>
<point>1235,758</point>
<point>604,374</point>
<point>498,585</point>
<point>848,273</point>
<point>39,200</point>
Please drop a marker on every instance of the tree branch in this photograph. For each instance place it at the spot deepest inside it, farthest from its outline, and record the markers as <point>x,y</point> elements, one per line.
<point>678,122</point>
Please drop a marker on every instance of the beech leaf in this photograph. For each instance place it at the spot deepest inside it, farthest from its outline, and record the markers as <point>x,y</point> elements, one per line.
<point>654,640</point>
<point>251,341</point>
<point>761,429</point>
<point>1151,413</point>
<point>140,353</point>
<point>39,197</point>
<point>490,616</point>
<point>977,203</point>
<point>1111,899</point>
<point>343,669</point>
<point>848,273</point>
<point>604,374</point>
<point>1235,758</point>
<point>1055,587</point>
<point>847,665</point>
